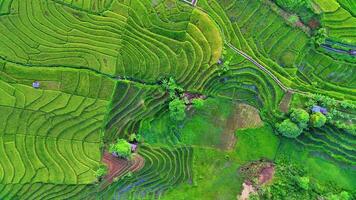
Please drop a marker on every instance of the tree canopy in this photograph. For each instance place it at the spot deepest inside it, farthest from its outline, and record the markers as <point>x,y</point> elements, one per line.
<point>301,117</point>
<point>317,120</point>
<point>177,109</point>
<point>101,171</point>
<point>289,129</point>
<point>122,148</point>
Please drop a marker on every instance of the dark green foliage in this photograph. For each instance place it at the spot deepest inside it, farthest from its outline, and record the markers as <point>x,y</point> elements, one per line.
<point>101,171</point>
<point>317,120</point>
<point>177,109</point>
<point>122,148</point>
<point>289,129</point>
<point>320,37</point>
<point>172,87</point>
<point>301,117</point>
<point>291,181</point>
<point>341,196</point>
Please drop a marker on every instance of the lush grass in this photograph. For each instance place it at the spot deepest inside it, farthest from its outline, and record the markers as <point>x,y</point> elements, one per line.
<point>319,166</point>
<point>215,177</point>
<point>256,143</point>
<point>327,5</point>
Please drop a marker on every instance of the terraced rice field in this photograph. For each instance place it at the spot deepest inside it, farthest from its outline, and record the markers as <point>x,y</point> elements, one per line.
<point>76,75</point>
<point>164,168</point>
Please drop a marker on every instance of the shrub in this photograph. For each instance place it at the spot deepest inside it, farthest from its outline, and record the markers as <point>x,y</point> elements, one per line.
<point>198,103</point>
<point>172,87</point>
<point>341,196</point>
<point>101,171</point>
<point>317,120</point>
<point>121,148</point>
<point>301,117</point>
<point>303,182</point>
<point>289,129</point>
<point>177,109</point>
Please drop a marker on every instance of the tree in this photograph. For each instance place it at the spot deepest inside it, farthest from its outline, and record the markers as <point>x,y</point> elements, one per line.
<point>122,148</point>
<point>301,117</point>
<point>303,182</point>
<point>320,37</point>
<point>172,87</point>
<point>177,109</point>
<point>317,120</point>
<point>341,196</point>
<point>198,103</point>
<point>101,171</point>
<point>289,129</point>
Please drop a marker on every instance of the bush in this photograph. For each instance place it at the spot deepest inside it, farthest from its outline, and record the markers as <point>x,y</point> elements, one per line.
<point>198,103</point>
<point>172,87</point>
<point>301,117</point>
<point>303,182</point>
<point>122,148</point>
<point>317,120</point>
<point>341,196</point>
<point>289,129</point>
<point>101,171</point>
<point>177,109</point>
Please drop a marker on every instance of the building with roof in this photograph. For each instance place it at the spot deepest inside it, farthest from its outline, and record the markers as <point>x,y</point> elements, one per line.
<point>36,84</point>
<point>191,2</point>
<point>320,109</point>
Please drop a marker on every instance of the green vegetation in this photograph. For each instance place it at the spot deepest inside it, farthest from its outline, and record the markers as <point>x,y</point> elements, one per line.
<point>198,103</point>
<point>317,120</point>
<point>204,86</point>
<point>289,129</point>
<point>122,148</point>
<point>177,109</point>
<point>301,117</point>
<point>101,171</point>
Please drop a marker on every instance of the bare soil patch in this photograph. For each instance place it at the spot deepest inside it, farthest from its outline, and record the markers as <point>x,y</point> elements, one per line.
<point>285,102</point>
<point>118,167</point>
<point>257,173</point>
<point>242,116</point>
<point>266,174</point>
<point>246,191</point>
<point>248,117</point>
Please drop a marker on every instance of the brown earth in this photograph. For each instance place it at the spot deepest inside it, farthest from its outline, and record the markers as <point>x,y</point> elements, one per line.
<point>242,116</point>
<point>266,174</point>
<point>118,167</point>
<point>263,170</point>
<point>285,102</point>
<point>246,191</point>
<point>248,117</point>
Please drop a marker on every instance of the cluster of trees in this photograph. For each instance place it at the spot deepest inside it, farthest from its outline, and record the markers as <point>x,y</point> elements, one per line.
<point>320,37</point>
<point>178,103</point>
<point>339,112</point>
<point>292,182</point>
<point>121,148</point>
<point>299,120</point>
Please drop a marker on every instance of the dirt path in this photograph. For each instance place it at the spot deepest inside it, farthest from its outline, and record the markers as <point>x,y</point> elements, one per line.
<point>118,167</point>
<point>284,104</point>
